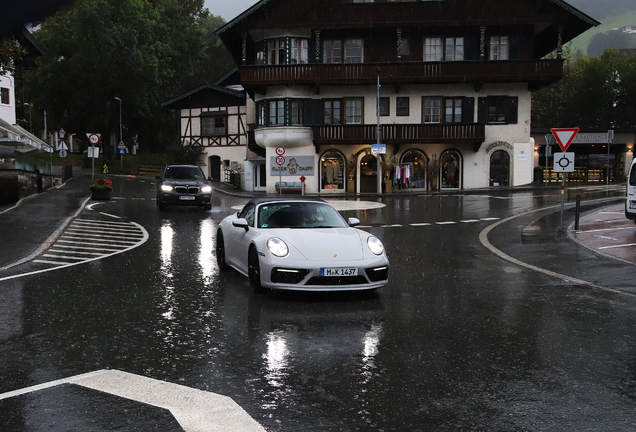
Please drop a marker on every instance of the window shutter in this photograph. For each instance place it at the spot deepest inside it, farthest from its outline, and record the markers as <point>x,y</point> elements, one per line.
<point>515,47</point>
<point>471,48</point>
<point>468,110</point>
<point>313,112</point>
<point>513,106</point>
<point>482,115</point>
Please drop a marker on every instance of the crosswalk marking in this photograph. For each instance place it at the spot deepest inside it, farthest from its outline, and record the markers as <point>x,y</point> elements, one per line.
<point>90,239</point>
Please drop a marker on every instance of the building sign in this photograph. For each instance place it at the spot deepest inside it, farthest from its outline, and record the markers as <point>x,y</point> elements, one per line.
<point>294,166</point>
<point>593,138</point>
<point>499,144</point>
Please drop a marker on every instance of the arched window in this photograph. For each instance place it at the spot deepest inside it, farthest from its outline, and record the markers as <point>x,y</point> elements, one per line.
<point>499,168</point>
<point>411,171</point>
<point>451,166</point>
<point>332,167</point>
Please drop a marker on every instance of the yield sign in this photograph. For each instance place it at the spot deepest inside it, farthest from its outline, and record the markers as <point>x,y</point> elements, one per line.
<point>564,136</point>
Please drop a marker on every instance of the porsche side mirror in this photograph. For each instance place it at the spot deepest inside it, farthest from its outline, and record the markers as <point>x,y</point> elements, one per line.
<point>353,221</point>
<point>241,223</point>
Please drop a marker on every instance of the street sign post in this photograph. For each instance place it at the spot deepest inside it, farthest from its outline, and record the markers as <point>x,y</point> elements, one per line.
<point>280,160</point>
<point>94,139</point>
<point>564,137</point>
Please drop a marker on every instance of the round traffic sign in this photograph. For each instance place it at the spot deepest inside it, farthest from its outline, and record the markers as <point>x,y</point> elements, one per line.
<point>280,150</point>
<point>63,153</point>
<point>280,160</point>
<point>564,162</point>
<point>94,139</point>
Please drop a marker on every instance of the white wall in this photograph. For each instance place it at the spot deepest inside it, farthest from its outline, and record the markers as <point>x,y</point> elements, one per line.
<point>7,112</point>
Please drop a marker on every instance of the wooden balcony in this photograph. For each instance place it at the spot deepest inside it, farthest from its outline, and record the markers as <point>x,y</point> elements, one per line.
<point>537,72</point>
<point>400,134</point>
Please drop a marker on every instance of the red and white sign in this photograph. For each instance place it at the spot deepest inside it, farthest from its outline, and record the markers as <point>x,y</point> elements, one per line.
<point>280,150</point>
<point>280,160</point>
<point>121,145</point>
<point>93,138</point>
<point>564,136</point>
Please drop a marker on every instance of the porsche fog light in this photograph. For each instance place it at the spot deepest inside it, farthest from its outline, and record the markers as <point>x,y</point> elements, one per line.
<point>277,247</point>
<point>166,188</point>
<point>206,189</point>
<point>375,245</point>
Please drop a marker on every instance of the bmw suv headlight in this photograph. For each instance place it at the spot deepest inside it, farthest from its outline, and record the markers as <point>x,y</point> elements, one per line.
<point>206,189</point>
<point>277,247</point>
<point>375,245</point>
<point>166,188</point>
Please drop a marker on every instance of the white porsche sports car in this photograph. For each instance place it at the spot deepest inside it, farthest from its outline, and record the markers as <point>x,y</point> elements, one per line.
<point>300,244</point>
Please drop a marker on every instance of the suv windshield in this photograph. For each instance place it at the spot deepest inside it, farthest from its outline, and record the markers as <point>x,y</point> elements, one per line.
<point>183,173</point>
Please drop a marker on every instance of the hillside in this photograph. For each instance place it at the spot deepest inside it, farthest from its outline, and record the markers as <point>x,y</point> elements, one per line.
<point>611,13</point>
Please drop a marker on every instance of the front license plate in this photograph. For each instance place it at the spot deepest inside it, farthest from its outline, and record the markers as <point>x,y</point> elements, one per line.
<point>338,271</point>
<point>632,204</point>
<point>186,198</point>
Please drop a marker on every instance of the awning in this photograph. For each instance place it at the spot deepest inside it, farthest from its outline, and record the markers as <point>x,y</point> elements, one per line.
<point>16,137</point>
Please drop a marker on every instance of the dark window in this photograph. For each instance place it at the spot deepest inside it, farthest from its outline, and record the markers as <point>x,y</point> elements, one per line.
<point>354,51</point>
<point>277,112</point>
<point>299,51</point>
<point>385,108</point>
<point>499,48</point>
<point>216,125</point>
<point>332,51</point>
<point>498,110</point>
<point>453,110</point>
<point>4,95</point>
<point>331,112</point>
<point>297,112</point>
<point>403,106</point>
<point>433,49</point>
<point>454,49</point>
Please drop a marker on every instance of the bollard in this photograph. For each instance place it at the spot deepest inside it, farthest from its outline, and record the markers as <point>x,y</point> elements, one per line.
<point>578,212</point>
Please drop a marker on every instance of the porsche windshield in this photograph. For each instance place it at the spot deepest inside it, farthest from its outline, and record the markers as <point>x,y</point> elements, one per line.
<point>299,215</point>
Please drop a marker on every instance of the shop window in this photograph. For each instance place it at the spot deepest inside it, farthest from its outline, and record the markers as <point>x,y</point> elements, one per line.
<point>332,165</point>
<point>411,171</point>
<point>451,170</point>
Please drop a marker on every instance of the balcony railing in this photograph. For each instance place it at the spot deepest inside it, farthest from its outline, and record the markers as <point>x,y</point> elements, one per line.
<point>536,71</point>
<point>400,134</point>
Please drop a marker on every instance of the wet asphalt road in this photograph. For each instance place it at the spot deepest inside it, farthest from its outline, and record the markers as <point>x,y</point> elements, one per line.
<point>460,339</point>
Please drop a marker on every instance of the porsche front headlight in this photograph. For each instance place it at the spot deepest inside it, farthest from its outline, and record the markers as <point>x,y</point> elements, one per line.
<point>166,188</point>
<point>375,245</point>
<point>277,247</point>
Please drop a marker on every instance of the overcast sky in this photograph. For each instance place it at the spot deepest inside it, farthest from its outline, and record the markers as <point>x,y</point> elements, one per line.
<point>228,9</point>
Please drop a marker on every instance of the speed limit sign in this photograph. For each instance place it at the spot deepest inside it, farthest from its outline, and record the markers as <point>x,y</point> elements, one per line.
<point>280,160</point>
<point>93,138</point>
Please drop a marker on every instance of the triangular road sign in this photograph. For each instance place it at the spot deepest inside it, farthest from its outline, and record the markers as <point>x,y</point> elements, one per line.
<point>564,136</point>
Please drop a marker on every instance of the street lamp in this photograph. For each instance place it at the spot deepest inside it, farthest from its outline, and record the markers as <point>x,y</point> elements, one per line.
<point>120,138</point>
<point>30,119</point>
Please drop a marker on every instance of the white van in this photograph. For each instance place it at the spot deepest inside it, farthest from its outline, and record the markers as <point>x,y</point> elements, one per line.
<point>630,199</point>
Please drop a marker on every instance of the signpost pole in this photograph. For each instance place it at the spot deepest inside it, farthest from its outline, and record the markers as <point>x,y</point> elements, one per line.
<point>545,170</point>
<point>378,169</point>
<point>562,197</point>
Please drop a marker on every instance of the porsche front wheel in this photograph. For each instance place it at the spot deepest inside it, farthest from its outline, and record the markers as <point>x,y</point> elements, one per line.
<point>254,270</point>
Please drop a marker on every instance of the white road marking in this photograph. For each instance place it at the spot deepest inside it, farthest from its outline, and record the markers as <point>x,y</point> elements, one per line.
<point>195,410</point>
<point>420,224</point>
<point>445,223</point>
<point>617,246</point>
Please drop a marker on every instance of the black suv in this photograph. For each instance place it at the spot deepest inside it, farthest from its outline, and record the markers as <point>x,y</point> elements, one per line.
<point>183,185</point>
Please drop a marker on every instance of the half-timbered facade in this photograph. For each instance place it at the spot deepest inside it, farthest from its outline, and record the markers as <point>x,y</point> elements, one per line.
<point>215,117</point>
<point>449,82</point>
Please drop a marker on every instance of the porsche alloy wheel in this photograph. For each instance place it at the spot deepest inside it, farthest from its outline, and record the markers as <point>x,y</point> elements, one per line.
<point>254,270</point>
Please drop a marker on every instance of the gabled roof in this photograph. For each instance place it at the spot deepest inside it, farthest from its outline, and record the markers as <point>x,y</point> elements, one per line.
<point>217,91</point>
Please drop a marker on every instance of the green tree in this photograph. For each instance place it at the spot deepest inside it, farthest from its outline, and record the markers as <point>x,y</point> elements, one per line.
<point>11,52</point>
<point>139,51</point>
